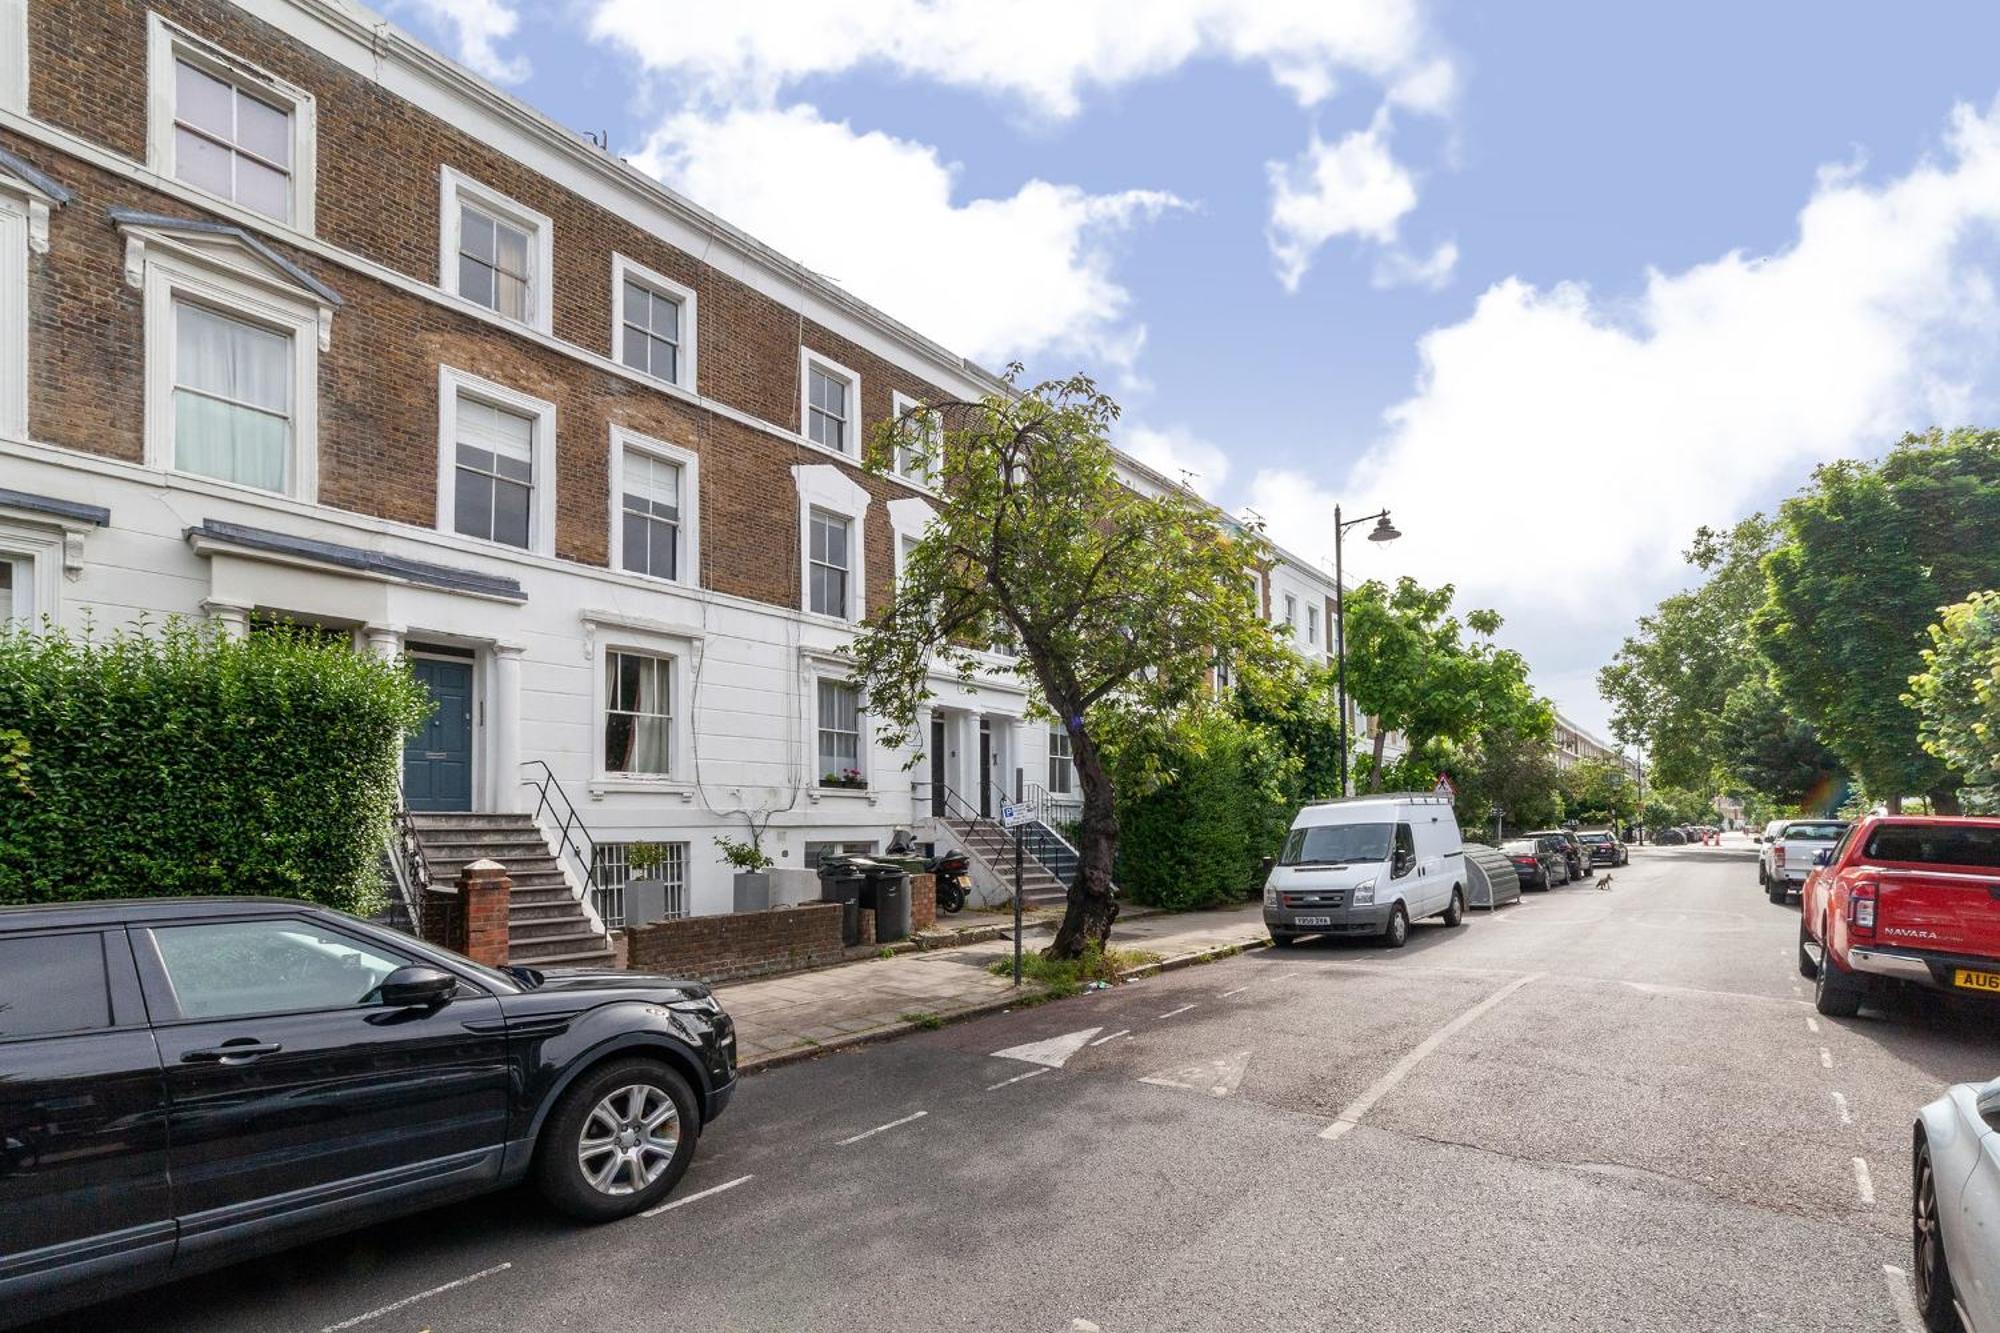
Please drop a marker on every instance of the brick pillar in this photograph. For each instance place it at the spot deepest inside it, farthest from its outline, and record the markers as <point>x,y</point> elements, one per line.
<point>483,893</point>
<point>923,902</point>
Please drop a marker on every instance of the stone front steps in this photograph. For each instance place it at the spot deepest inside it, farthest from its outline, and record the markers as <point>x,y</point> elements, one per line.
<point>546,925</point>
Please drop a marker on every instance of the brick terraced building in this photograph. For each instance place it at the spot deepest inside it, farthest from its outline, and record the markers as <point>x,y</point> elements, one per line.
<point>301,321</point>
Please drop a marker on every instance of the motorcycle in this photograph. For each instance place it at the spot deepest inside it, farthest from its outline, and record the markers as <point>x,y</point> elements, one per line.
<point>953,873</point>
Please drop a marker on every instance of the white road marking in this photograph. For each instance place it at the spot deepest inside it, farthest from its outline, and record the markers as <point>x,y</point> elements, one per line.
<point>1083,1326</point>
<point>1121,1032</point>
<point>1217,1077</point>
<point>1051,1051</point>
<point>1226,994</point>
<point>697,1196</point>
<point>1864,1185</point>
<point>412,1300</point>
<point>1825,1058</point>
<point>1812,1024</point>
<point>1171,1012</point>
<point>1840,1102</point>
<point>994,1087</point>
<point>1351,1114</point>
<point>871,1133</point>
<point>1903,1299</point>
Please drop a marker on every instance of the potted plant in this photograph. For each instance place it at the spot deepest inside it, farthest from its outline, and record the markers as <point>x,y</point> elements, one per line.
<point>645,887</point>
<point>847,777</point>
<point>753,880</point>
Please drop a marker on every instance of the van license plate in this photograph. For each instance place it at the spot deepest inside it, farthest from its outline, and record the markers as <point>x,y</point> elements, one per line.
<point>1970,980</point>
<point>1327,921</point>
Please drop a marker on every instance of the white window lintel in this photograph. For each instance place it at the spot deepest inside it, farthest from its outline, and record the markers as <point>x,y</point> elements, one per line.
<point>828,487</point>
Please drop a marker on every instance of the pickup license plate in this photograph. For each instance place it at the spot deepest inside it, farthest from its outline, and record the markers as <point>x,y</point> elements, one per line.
<point>1971,980</point>
<point>1327,921</point>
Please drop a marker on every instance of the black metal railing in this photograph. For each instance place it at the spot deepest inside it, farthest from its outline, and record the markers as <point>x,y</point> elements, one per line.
<point>406,862</point>
<point>573,840</point>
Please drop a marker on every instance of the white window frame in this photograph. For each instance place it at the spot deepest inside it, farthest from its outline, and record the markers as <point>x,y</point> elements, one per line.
<point>14,56</point>
<point>1291,605</point>
<point>900,403</point>
<point>37,554</point>
<point>808,360</point>
<point>688,563</point>
<point>167,43</point>
<point>824,486</point>
<point>456,188</point>
<point>1066,756</point>
<point>624,270</point>
<point>864,743</point>
<point>676,761</point>
<point>542,503</point>
<point>171,272</point>
<point>1312,626</point>
<point>827,518</point>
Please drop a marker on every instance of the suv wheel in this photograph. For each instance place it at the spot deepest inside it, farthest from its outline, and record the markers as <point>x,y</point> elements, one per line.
<point>618,1141</point>
<point>1932,1273</point>
<point>1836,992</point>
<point>1397,933</point>
<point>1763,875</point>
<point>1454,915</point>
<point>1774,889</point>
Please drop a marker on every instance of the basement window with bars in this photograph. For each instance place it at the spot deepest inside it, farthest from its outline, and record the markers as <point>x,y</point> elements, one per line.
<point>612,871</point>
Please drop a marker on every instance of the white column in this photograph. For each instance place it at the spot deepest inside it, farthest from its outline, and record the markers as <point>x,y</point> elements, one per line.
<point>920,776</point>
<point>962,731</point>
<point>384,641</point>
<point>503,736</point>
<point>233,617</point>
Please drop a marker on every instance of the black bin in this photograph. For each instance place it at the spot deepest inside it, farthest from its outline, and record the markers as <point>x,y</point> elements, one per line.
<point>841,880</point>
<point>887,891</point>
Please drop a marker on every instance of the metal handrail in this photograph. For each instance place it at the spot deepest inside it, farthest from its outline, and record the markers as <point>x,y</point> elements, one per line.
<point>406,859</point>
<point>586,852</point>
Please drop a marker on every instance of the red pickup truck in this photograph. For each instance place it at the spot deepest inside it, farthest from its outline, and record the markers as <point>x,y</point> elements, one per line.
<point>1903,897</point>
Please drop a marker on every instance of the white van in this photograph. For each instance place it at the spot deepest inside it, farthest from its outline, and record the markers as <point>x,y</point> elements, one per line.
<point>1367,865</point>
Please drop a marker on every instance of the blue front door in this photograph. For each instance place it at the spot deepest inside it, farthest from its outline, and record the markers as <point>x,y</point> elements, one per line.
<point>437,757</point>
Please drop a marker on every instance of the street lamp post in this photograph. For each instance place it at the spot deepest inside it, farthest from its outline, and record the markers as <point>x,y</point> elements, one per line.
<point>1384,531</point>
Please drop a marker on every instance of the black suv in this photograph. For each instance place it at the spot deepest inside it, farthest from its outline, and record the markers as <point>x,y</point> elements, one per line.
<point>186,1082</point>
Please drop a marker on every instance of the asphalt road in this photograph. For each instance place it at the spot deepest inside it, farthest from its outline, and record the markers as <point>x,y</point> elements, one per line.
<point>1597,1110</point>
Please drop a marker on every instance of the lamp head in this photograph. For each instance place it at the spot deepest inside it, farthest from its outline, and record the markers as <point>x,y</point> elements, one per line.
<point>1384,530</point>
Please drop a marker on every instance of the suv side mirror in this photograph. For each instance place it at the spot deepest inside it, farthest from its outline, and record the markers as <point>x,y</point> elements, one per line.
<point>417,987</point>
<point>1823,857</point>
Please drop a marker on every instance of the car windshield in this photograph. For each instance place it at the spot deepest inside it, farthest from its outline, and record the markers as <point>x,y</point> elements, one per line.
<point>1936,845</point>
<point>1595,837</point>
<point>1337,844</point>
<point>1519,848</point>
<point>1814,832</point>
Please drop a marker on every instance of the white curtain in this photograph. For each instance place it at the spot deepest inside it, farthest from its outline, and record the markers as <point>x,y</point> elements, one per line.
<point>639,728</point>
<point>232,398</point>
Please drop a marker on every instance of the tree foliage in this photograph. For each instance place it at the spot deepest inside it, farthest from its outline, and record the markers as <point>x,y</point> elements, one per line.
<point>1121,601</point>
<point>1869,551</point>
<point>1411,667</point>
<point>184,763</point>
<point>1599,791</point>
<point>1774,754</point>
<point>1957,694</point>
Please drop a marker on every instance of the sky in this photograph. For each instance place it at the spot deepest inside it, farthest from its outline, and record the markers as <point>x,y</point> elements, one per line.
<point>1556,282</point>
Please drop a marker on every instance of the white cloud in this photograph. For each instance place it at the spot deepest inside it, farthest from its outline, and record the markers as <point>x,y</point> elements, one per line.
<point>477,27</point>
<point>992,278</point>
<point>1178,454</point>
<point>1397,267</point>
<point>1559,448</point>
<point>1352,186</point>
<point>1045,53</point>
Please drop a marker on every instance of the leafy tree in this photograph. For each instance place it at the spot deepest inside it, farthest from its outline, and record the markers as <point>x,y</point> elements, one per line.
<point>1774,754</point>
<point>1599,791</point>
<point>1869,551</point>
<point>1412,669</point>
<point>1957,694</point>
<point>1121,602</point>
<point>1675,805</point>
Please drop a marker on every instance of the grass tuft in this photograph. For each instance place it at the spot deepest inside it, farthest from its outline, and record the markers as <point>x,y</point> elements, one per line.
<point>924,1019</point>
<point>1063,977</point>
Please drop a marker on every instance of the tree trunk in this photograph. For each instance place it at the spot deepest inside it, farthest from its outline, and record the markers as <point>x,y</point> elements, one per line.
<point>1944,800</point>
<point>1091,909</point>
<point>1375,769</point>
<point>1894,805</point>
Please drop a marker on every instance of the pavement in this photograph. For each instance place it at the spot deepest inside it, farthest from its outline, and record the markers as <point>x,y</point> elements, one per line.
<point>804,1014</point>
<point>1598,1110</point>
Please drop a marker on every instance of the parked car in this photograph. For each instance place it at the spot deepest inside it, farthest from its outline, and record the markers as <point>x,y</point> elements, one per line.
<point>1367,865</point>
<point>1669,837</point>
<point>1604,847</point>
<point>1538,862</point>
<point>1791,856</point>
<point>1574,851</point>
<point>1905,898</point>
<point>187,1082</point>
<point>1955,1217</point>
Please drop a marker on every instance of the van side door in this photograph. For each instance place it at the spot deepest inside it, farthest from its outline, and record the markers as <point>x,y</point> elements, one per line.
<point>1404,875</point>
<point>84,1199</point>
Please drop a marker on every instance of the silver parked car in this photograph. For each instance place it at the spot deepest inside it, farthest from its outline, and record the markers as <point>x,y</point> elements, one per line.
<point>1955,1210</point>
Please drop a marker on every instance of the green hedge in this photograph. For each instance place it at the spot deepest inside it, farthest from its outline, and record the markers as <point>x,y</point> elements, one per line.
<point>182,762</point>
<point>1219,801</point>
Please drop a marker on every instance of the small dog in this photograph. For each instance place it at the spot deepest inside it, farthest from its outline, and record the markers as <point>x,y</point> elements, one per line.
<point>1604,881</point>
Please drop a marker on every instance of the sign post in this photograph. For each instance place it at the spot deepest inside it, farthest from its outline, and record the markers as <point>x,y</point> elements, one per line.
<point>1013,816</point>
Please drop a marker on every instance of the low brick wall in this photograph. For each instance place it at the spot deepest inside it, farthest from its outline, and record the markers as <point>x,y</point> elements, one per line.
<point>731,946</point>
